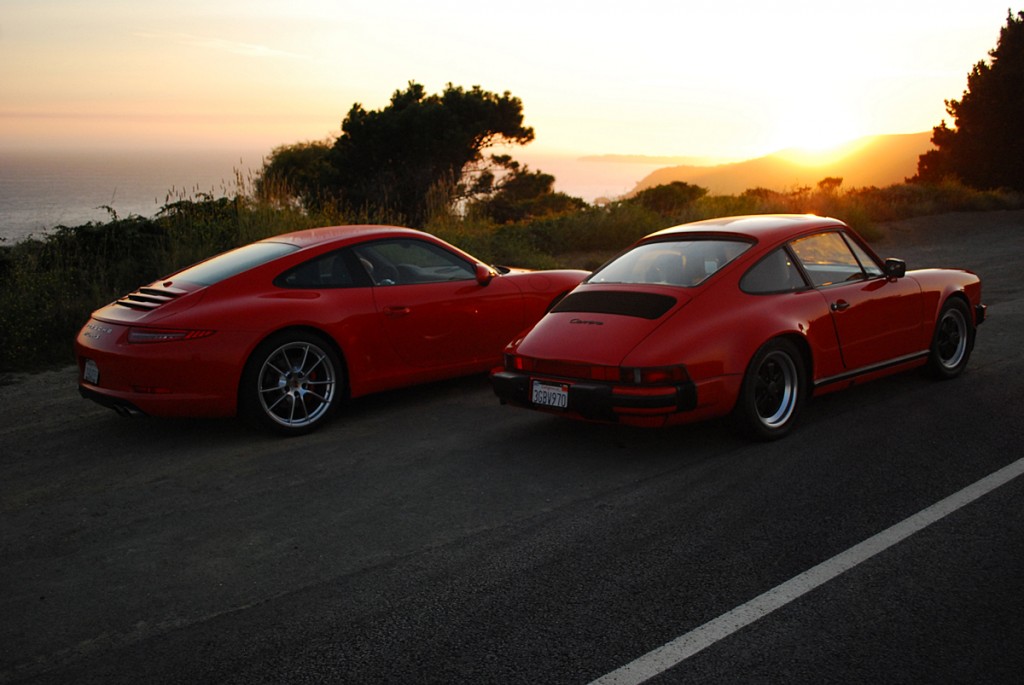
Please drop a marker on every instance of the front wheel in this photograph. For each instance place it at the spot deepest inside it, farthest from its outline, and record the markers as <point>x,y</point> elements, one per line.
<point>952,341</point>
<point>291,383</point>
<point>772,393</point>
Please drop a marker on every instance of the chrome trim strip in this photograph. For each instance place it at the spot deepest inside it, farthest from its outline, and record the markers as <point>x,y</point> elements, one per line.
<point>863,371</point>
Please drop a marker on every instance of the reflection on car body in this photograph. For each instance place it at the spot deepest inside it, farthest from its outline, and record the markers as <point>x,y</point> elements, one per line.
<point>747,316</point>
<point>283,329</point>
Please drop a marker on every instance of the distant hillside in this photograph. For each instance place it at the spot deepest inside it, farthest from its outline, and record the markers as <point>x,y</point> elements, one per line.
<point>873,161</point>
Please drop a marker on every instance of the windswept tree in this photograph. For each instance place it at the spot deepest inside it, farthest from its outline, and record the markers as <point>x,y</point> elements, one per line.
<point>985,149</point>
<point>392,159</point>
<point>394,162</point>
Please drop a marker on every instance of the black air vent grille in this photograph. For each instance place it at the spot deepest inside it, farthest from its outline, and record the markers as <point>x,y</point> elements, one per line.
<point>150,297</point>
<point>642,305</point>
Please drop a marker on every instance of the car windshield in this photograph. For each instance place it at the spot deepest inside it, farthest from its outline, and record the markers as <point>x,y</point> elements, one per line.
<point>670,262</point>
<point>234,262</point>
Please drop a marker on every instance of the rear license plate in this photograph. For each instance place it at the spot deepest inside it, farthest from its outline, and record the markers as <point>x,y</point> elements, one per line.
<point>550,394</point>
<point>91,372</point>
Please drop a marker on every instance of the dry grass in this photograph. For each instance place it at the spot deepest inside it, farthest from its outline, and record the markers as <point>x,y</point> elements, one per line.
<point>48,286</point>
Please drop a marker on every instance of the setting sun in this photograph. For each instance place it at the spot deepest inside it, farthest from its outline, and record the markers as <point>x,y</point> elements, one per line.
<point>822,153</point>
<point>704,81</point>
<point>819,125</point>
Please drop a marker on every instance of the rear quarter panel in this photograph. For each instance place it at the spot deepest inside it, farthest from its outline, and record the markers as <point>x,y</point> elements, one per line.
<point>937,285</point>
<point>718,332</point>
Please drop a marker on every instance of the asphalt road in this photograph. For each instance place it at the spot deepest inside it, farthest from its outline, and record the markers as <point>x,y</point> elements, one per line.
<point>433,536</point>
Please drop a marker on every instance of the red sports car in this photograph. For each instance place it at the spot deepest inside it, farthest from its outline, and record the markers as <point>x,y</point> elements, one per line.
<point>281,330</point>
<point>746,316</point>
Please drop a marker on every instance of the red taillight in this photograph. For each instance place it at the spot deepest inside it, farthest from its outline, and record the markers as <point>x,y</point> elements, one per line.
<point>160,335</point>
<point>655,375</point>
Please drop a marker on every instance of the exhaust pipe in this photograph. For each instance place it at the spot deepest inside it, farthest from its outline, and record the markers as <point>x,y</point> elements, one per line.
<point>126,411</point>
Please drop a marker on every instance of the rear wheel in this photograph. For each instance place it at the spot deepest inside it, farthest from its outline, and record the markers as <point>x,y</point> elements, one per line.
<point>292,383</point>
<point>772,393</point>
<point>952,341</point>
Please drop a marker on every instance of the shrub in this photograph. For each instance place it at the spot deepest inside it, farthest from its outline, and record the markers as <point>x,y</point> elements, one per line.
<point>48,286</point>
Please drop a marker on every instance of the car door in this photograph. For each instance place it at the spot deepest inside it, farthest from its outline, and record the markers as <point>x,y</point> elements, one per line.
<point>433,310</point>
<point>877,319</point>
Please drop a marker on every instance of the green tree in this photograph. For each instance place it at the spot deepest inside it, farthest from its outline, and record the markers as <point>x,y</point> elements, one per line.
<point>301,171</point>
<point>520,194</point>
<point>830,184</point>
<point>669,199</point>
<point>393,159</point>
<point>985,149</point>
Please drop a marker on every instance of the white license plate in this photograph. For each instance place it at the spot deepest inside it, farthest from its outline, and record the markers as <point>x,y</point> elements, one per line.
<point>550,395</point>
<point>91,372</point>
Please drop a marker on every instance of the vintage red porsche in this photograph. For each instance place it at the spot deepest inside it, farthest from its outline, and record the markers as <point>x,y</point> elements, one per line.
<point>742,316</point>
<point>282,329</point>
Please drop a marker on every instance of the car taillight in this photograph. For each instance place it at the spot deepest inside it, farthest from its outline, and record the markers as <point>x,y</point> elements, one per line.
<point>160,335</point>
<point>654,375</point>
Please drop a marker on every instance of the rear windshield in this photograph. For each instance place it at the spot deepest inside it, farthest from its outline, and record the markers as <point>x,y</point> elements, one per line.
<point>234,262</point>
<point>671,262</point>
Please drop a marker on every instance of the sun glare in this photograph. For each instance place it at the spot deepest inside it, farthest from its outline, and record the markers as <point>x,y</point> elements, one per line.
<point>818,137</point>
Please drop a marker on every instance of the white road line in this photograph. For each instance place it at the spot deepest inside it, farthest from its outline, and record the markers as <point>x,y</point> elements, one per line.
<point>673,653</point>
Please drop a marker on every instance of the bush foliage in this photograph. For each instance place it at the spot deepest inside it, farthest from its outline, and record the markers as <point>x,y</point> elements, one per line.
<point>50,284</point>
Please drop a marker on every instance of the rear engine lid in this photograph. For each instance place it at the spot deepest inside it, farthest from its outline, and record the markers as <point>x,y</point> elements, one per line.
<point>599,326</point>
<point>161,297</point>
<point>644,305</point>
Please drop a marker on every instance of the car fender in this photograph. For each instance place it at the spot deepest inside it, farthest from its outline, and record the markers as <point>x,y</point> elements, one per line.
<point>938,285</point>
<point>716,339</point>
<point>541,290</point>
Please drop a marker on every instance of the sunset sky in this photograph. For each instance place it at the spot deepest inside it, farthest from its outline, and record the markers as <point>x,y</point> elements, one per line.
<point>704,78</point>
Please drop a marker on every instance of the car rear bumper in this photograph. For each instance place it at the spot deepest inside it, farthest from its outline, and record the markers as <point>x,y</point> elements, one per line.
<point>129,403</point>
<point>122,406</point>
<point>600,401</point>
<point>184,379</point>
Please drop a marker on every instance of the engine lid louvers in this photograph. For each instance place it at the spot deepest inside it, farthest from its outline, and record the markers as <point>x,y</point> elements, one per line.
<point>150,297</point>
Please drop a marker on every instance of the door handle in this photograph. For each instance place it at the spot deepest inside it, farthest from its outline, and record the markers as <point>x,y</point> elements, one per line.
<point>396,311</point>
<point>839,305</point>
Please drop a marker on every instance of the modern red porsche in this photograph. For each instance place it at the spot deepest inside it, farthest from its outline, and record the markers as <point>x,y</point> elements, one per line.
<point>747,316</point>
<point>282,329</point>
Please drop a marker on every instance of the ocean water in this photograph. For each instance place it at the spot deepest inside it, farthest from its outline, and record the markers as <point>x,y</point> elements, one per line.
<point>42,190</point>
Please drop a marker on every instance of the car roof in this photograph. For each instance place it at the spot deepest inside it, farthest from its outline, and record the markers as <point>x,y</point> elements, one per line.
<point>761,227</point>
<point>318,236</point>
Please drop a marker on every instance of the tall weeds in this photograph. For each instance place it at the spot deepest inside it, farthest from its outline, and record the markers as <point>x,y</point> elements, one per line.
<point>49,285</point>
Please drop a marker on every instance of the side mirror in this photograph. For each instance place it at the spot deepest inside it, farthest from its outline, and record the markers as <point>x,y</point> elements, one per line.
<point>484,274</point>
<point>895,268</point>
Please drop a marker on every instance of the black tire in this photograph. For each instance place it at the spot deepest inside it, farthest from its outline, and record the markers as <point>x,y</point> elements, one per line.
<point>292,383</point>
<point>952,340</point>
<point>773,391</point>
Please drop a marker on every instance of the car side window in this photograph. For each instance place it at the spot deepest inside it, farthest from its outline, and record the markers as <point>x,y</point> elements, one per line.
<point>827,259</point>
<point>332,270</point>
<point>866,261</point>
<point>408,261</point>
<point>776,273</point>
